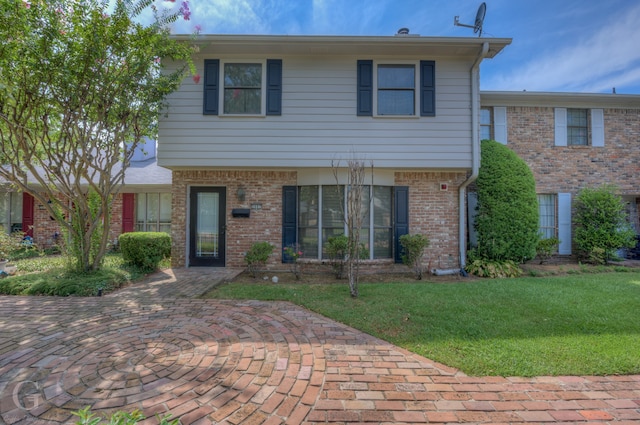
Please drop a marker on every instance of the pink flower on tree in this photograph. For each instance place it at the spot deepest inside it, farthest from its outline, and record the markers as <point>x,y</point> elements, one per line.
<point>196,78</point>
<point>184,10</point>
<point>27,4</point>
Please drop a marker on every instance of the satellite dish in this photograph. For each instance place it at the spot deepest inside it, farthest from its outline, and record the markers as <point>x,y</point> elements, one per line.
<point>477,26</point>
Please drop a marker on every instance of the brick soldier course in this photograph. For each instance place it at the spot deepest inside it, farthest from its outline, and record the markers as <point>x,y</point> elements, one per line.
<point>155,347</point>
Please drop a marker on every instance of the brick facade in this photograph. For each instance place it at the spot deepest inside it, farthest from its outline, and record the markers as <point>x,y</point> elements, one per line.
<point>262,187</point>
<point>433,212</point>
<point>571,168</point>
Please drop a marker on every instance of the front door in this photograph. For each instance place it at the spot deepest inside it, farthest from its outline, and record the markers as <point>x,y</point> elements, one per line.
<point>207,226</point>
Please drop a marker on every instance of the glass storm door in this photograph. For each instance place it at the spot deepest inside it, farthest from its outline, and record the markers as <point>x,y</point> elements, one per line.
<point>207,227</point>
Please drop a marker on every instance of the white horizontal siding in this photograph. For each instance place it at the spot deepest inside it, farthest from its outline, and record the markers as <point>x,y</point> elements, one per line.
<point>319,124</point>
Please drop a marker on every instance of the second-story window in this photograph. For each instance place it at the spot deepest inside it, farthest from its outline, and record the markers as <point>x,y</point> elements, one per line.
<point>577,127</point>
<point>396,89</point>
<point>485,124</point>
<point>242,88</point>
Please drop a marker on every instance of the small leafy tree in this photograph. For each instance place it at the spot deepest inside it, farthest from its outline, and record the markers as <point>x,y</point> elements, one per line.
<point>294,252</point>
<point>413,252</point>
<point>81,85</point>
<point>601,225</point>
<point>507,219</point>
<point>257,257</point>
<point>337,248</point>
<point>546,248</point>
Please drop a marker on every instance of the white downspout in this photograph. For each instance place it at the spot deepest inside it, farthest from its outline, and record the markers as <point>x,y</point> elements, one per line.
<point>475,152</point>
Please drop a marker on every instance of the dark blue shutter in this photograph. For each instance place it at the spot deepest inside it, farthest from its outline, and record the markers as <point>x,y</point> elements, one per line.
<point>427,88</point>
<point>211,73</point>
<point>274,86</point>
<point>289,219</point>
<point>365,88</point>
<point>400,219</point>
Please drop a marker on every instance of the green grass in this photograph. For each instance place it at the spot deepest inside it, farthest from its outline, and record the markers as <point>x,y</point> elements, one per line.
<point>48,275</point>
<point>565,325</point>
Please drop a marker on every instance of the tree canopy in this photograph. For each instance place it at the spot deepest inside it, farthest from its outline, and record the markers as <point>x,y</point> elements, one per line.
<point>81,84</point>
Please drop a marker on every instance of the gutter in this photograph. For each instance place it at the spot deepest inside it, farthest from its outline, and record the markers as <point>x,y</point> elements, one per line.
<point>475,153</point>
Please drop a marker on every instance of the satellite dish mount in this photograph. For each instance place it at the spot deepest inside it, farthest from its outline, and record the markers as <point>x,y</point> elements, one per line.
<point>477,26</point>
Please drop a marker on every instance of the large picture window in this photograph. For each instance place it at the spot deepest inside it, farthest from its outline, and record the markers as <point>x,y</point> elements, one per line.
<point>321,216</point>
<point>153,212</point>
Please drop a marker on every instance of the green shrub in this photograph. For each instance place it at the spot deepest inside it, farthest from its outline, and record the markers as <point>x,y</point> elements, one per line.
<point>257,256</point>
<point>12,245</point>
<point>494,269</point>
<point>145,249</point>
<point>601,224</point>
<point>337,248</point>
<point>507,218</point>
<point>413,251</point>
<point>546,248</point>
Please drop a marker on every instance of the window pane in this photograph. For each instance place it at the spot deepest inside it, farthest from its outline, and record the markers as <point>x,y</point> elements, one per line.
<point>382,242</point>
<point>141,212</point>
<point>577,117</point>
<point>547,211</point>
<point>153,207</point>
<point>485,116</point>
<point>242,75</point>
<point>396,77</point>
<point>332,206</point>
<point>165,207</point>
<point>382,206</point>
<point>577,127</point>
<point>308,241</point>
<point>395,102</point>
<point>242,101</point>
<point>308,199</point>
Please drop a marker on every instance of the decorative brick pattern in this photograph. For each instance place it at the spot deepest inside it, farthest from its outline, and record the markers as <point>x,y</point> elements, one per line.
<point>155,347</point>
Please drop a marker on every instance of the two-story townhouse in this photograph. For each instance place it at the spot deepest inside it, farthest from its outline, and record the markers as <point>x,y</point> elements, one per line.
<point>253,145</point>
<point>570,141</point>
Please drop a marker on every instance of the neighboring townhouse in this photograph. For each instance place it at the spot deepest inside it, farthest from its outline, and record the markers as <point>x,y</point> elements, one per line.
<point>251,145</point>
<point>143,204</point>
<point>570,141</point>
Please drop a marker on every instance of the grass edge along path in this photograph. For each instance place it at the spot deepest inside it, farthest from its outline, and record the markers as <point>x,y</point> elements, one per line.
<point>584,324</point>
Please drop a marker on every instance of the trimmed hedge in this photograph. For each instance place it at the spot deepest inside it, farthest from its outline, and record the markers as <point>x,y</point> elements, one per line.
<point>507,220</point>
<point>145,249</point>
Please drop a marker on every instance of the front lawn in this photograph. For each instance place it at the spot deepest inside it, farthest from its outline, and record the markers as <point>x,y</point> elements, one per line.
<point>583,324</point>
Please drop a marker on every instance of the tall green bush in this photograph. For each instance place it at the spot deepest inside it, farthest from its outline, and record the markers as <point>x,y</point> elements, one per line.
<point>601,225</point>
<point>145,249</point>
<point>507,219</point>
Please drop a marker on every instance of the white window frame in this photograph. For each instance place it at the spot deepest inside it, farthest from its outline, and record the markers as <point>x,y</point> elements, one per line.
<point>416,88</point>
<point>263,85</point>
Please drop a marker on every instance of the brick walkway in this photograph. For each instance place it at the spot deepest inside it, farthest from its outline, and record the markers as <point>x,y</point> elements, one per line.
<point>154,347</point>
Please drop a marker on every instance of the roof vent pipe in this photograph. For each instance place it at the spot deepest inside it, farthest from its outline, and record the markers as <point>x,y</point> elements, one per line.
<point>403,31</point>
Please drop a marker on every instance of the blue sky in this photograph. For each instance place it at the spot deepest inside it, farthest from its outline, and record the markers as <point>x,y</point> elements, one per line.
<point>558,45</point>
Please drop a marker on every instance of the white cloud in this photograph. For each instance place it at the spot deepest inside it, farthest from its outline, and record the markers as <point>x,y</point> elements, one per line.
<point>609,57</point>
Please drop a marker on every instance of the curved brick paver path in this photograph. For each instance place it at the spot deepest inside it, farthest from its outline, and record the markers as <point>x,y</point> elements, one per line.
<point>154,347</point>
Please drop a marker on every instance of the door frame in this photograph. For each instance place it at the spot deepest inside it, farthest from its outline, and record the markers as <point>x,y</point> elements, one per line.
<point>194,261</point>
